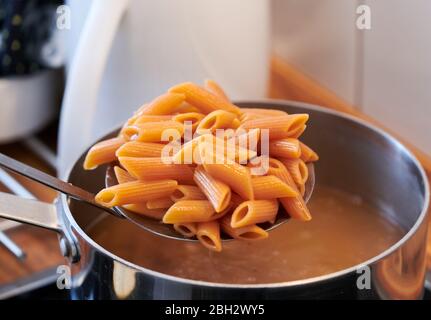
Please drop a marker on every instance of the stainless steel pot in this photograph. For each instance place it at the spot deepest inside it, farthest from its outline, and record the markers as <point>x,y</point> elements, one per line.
<point>355,157</point>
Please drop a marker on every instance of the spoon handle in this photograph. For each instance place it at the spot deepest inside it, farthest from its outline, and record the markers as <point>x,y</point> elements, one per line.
<point>50,181</point>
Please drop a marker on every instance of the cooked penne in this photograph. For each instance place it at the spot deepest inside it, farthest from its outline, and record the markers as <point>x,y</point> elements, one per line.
<point>294,206</point>
<point>140,149</point>
<point>188,230</point>
<point>208,233</point>
<point>185,192</point>
<point>279,127</point>
<point>271,187</point>
<point>252,232</point>
<point>156,169</point>
<point>102,152</point>
<point>150,118</point>
<point>203,99</point>
<point>236,176</point>
<point>164,104</point>
<point>162,203</point>
<point>135,192</point>
<point>152,131</point>
<point>253,212</point>
<point>192,159</point>
<point>297,169</point>
<point>286,148</point>
<point>194,118</point>
<point>141,208</point>
<point>122,175</point>
<point>219,119</point>
<point>189,211</point>
<point>307,154</point>
<point>214,88</point>
<point>217,192</point>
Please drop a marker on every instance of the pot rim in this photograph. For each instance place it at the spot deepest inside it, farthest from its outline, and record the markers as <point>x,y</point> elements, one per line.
<point>326,277</point>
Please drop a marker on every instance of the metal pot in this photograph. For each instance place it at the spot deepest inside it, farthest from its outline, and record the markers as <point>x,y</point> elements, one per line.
<point>355,157</point>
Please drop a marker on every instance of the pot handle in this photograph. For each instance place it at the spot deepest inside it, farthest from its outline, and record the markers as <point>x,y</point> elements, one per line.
<point>29,211</point>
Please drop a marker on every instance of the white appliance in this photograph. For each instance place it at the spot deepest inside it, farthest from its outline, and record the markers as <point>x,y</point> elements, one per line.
<point>128,52</point>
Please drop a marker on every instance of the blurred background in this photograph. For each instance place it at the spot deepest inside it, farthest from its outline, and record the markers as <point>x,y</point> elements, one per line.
<point>72,70</point>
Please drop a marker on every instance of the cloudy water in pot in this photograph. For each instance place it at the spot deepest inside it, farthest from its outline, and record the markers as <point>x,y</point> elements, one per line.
<point>344,232</point>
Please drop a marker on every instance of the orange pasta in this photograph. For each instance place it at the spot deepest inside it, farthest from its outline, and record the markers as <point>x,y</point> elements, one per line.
<point>102,152</point>
<point>156,169</point>
<point>237,177</point>
<point>193,118</point>
<point>189,211</point>
<point>219,119</point>
<point>294,206</point>
<point>162,203</point>
<point>142,209</point>
<point>153,131</point>
<point>214,88</point>
<point>252,232</point>
<point>185,192</point>
<point>217,192</point>
<point>279,127</point>
<point>194,160</point>
<point>208,233</point>
<point>286,148</point>
<point>271,187</point>
<point>203,99</point>
<point>135,192</point>
<point>307,154</point>
<point>253,212</point>
<point>165,104</point>
<point>122,175</point>
<point>140,149</point>
<point>188,230</point>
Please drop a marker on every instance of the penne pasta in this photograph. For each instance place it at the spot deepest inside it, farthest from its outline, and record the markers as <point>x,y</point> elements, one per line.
<point>215,89</point>
<point>194,118</point>
<point>102,152</point>
<point>140,149</point>
<point>218,119</point>
<point>286,148</point>
<point>236,176</point>
<point>204,100</point>
<point>142,209</point>
<point>271,187</point>
<point>294,206</point>
<point>150,118</point>
<point>164,104</point>
<point>122,175</point>
<point>189,211</point>
<point>307,154</point>
<point>208,233</point>
<point>254,212</point>
<point>135,192</point>
<point>279,127</point>
<point>152,131</point>
<point>162,203</point>
<point>298,170</point>
<point>192,159</point>
<point>156,169</point>
<point>188,230</point>
<point>185,192</point>
<point>252,232</point>
<point>217,192</point>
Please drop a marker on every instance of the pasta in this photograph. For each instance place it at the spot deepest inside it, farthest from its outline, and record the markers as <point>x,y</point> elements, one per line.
<point>102,152</point>
<point>192,159</point>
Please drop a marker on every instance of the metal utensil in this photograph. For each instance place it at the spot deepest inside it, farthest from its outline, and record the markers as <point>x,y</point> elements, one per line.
<point>166,230</point>
<point>146,223</point>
